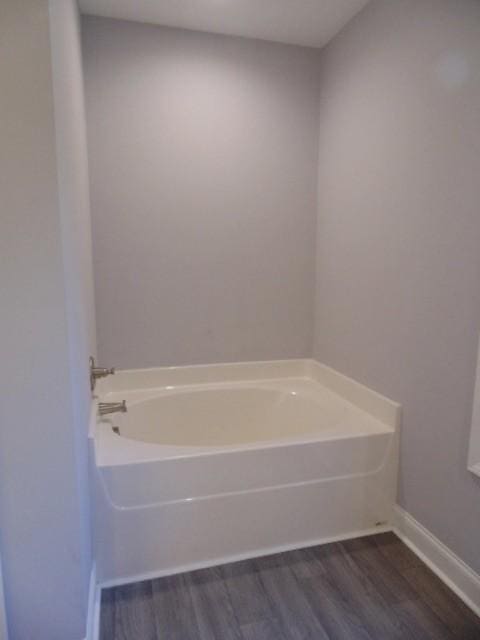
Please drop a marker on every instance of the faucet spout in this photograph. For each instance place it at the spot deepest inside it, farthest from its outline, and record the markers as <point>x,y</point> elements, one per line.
<point>104,408</point>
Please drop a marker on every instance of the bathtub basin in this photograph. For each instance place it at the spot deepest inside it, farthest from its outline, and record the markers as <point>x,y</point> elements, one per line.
<point>216,463</point>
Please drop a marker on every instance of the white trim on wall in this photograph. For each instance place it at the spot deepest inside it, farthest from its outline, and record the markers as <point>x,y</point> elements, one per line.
<point>474,449</point>
<point>93,613</point>
<point>3,613</point>
<point>457,575</point>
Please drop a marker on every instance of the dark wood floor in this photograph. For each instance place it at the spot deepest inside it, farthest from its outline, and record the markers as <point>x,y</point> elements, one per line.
<point>366,589</point>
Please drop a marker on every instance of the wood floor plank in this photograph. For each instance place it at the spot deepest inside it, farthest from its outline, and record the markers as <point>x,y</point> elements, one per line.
<point>365,589</point>
<point>134,613</point>
<point>379,570</point>
<point>247,593</point>
<point>421,621</point>
<point>345,578</point>
<point>305,563</point>
<point>461,621</point>
<point>267,629</point>
<point>396,552</point>
<point>107,611</point>
<point>173,609</point>
<point>294,612</point>
<point>213,608</point>
<point>339,619</point>
<point>348,582</point>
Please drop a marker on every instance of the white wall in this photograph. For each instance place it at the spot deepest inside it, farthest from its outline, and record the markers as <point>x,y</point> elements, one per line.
<point>203,153</point>
<point>45,339</point>
<point>74,210</point>
<point>398,272</point>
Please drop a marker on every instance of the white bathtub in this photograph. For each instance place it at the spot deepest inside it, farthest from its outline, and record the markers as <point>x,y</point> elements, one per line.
<point>223,462</point>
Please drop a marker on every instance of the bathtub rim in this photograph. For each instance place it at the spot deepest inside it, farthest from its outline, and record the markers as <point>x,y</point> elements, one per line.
<point>115,449</point>
<point>104,433</point>
<point>380,408</point>
<point>377,405</point>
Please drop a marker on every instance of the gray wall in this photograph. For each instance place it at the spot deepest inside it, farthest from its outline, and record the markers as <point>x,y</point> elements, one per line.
<point>44,342</point>
<point>398,273</point>
<point>203,154</point>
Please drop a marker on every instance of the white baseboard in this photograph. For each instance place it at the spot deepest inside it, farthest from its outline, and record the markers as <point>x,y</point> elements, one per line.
<point>93,613</point>
<point>457,575</point>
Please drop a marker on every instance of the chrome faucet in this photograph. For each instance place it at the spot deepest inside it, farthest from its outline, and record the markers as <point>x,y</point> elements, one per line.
<point>98,372</point>
<point>105,408</point>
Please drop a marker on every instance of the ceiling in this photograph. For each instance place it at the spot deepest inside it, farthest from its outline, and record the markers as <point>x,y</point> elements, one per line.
<point>304,22</point>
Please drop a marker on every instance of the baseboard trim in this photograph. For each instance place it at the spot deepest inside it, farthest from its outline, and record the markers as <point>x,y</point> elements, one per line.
<point>457,575</point>
<point>93,613</point>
